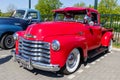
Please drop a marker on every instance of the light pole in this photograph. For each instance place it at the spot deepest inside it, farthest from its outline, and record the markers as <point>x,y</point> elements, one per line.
<point>95,4</point>
<point>29,4</point>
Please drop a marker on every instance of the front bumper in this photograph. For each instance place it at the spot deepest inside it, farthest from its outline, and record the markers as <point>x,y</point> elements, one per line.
<point>29,64</point>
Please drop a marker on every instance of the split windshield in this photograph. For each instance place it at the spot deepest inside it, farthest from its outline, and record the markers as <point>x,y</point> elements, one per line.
<point>18,14</point>
<point>70,16</point>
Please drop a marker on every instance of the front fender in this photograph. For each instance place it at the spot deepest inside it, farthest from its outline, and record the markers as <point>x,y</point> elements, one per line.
<point>9,28</point>
<point>20,34</point>
<point>106,38</point>
<point>67,44</point>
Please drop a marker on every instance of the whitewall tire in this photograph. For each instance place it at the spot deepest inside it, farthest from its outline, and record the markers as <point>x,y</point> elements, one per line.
<point>73,61</point>
<point>110,46</point>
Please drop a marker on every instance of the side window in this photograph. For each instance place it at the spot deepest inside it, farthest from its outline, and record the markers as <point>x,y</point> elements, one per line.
<point>61,17</point>
<point>33,15</point>
<point>94,17</point>
<point>79,17</point>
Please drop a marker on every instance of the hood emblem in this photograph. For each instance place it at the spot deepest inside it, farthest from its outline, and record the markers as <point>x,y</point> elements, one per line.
<point>29,36</point>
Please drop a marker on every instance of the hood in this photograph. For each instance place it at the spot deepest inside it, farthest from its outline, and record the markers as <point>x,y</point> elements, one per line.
<point>13,21</point>
<point>45,29</point>
<point>8,20</point>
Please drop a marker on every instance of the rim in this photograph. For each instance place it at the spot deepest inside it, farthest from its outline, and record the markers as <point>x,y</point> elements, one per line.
<point>73,60</point>
<point>9,41</point>
<point>110,46</point>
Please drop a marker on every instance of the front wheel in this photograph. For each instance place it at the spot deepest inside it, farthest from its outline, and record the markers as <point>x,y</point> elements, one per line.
<point>7,42</point>
<point>73,62</point>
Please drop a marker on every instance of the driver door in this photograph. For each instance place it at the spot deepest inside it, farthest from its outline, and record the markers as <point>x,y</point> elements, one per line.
<point>96,34</point>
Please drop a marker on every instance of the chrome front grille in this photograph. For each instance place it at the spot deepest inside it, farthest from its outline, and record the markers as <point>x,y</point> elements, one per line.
<point>36,51</point>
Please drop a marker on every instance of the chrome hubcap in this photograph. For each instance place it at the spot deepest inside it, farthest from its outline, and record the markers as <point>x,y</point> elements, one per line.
<point>72,60</point>
<point>9,41</point>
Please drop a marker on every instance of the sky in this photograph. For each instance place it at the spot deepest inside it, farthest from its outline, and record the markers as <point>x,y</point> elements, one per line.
<point>4,4</point>
<point>24,3</point>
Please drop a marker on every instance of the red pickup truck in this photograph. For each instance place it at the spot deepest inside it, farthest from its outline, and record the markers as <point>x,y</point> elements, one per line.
<point>73,36</point>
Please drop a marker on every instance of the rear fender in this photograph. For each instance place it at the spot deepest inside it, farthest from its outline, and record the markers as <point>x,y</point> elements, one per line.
<point>106,38</point>
<point>67,44</point>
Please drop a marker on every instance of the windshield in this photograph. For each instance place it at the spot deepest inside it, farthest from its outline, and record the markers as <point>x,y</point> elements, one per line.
<point>70,16</point>
<point>18,14</point>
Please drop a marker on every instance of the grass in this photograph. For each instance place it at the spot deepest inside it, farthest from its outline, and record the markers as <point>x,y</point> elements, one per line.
<point>116,45</point>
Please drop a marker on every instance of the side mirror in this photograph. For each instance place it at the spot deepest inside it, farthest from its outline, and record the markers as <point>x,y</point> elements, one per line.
<point>30,18</point>
<point>91,23</point>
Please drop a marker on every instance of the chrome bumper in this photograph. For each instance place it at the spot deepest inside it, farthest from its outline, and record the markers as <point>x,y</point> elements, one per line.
<point>31,64</point>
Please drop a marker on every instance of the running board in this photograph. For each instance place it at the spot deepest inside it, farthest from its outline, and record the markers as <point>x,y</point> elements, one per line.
<point>96,52</point>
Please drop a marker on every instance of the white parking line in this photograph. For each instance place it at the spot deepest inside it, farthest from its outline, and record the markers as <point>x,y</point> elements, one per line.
<point>102,57</point>
<point>87,66</point>
<point>80,71</point>
<point>2,56</point>
<point>106,55</point>
<point>93,63</point>
<point>71,76</point>
<point>98,60</point>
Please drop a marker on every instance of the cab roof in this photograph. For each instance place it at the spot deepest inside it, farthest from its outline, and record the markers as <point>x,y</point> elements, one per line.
<point>67,9</point>
<point>28,9</point>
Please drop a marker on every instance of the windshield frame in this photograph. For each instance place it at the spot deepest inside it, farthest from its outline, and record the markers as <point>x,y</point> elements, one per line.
<point>19,14</point>
<point>70,14</point>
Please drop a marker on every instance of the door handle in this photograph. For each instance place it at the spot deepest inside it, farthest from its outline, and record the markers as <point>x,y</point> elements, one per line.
<point>91,30</point>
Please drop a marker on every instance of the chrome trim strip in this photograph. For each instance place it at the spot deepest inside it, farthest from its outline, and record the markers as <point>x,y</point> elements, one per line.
<point>35,46</point>
<point>39,42</point>
<point>35,50</point>
<point>35,54</point>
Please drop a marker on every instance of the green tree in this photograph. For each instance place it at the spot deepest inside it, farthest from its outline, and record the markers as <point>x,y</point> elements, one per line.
<point>7,14</point>
<point>81,4</point>
<point>11,8</point>
<point>117,9</point>
<point>46,6</point>
<point>109,7</point>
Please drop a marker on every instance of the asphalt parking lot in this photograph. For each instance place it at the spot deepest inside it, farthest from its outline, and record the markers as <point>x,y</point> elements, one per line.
<point>102,67</point>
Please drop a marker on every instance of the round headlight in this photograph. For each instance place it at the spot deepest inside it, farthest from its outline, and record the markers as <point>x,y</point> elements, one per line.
<point>55,45</point>
<point>15,36</point>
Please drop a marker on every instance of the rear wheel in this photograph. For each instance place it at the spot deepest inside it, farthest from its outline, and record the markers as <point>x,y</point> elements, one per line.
<point>7,42</point>
<point>72,62</point>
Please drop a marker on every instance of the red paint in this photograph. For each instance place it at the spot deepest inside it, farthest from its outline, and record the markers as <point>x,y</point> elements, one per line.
<point>75,9</point>
<point>70,35</point>
<point>106,38</point>
<point>20,34</point>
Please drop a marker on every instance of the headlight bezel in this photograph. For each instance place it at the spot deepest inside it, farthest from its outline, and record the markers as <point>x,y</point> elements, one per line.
<point>15,36</point>
<point>55,45</point>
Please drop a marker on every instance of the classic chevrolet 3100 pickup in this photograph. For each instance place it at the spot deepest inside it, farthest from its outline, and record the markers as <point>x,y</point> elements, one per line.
<point>61,45</point>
